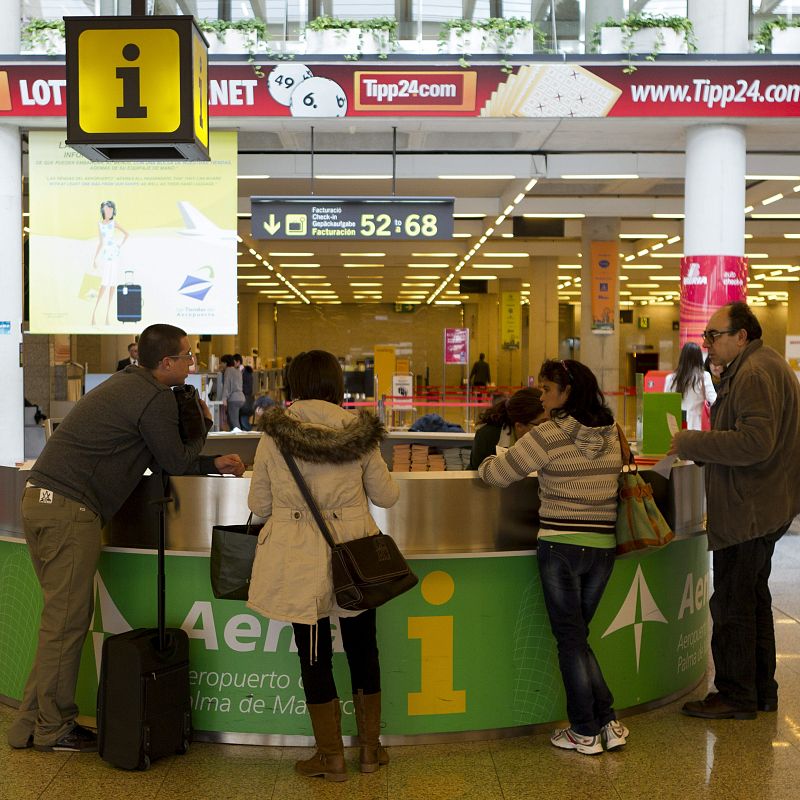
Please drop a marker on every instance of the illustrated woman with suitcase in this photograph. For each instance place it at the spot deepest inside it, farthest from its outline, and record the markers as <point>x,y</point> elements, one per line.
<point>106,256</point>
<point>339,457</point>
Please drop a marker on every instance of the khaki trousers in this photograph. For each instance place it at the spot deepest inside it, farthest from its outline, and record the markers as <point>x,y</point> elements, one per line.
<point>63,537</point>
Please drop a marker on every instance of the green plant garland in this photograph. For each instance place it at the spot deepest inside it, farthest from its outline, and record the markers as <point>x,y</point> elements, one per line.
<point>34,33</point>
<point>375,25</point>
<point>220,27</point>
<point>638,22</point>
<point>763,39</point>
<point>497,31</point>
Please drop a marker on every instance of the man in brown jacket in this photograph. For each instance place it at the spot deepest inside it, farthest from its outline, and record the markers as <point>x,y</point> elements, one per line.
<point>752,461</point>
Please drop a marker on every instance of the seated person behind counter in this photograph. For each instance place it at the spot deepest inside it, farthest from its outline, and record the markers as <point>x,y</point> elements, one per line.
<point>506,421</point>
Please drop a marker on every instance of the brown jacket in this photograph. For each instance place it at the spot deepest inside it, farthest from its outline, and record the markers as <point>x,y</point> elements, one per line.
<point>339,457</point>
<point>752,453</point>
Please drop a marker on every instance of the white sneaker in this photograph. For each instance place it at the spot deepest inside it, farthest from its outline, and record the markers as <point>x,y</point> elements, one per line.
<point>614,735</point>
<point>567,739</point>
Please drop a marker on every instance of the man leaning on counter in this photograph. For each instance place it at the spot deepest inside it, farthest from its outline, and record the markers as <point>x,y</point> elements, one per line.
<point>88,468</point>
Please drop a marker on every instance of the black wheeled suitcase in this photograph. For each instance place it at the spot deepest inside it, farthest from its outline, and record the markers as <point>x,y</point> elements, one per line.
<point>143,703</point>
<point>129,300</point>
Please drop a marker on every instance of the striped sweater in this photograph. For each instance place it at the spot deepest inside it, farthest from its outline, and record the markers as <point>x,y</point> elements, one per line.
<point>578,469</point>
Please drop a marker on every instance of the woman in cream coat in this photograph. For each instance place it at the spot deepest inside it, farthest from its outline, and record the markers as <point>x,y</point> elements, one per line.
<point>339,456</point>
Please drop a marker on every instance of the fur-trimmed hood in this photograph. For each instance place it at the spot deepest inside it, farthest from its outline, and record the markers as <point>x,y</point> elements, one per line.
<point>322,433</point>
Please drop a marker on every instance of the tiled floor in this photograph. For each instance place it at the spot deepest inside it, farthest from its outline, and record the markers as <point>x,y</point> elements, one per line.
<point>668,755</point>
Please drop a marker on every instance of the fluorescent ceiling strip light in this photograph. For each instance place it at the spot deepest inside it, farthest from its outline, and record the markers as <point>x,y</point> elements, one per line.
<point>476,177</point>
<point>263,283</point>
<point>252,177</point>
<point>673,239</point>
<point>772,177</point>
<point>773,199</point>
<point>554,216</point>
<point>310,277</point>
<point>362,255</point>
<point>668,216</point>
<point>479,277</point>
<point>366,285</point>
<point>569,266</point>
<point>243,214</point>
<point>791,235</point>
<point>783,278</point>
<point>469,216</point>
<point>417,285</point>
<point>468,235</point>
<point>434,255</point>
<point>420,277</point>
<point>351,265</point>
<point>492,266</point>
<point>300,266</point>
<point>507,235</point>
<point>748,209</point>
<point>313,284</point>
<point>657,246</point>
<point>353,177</point>
<point>643,286</point>
<point>622,176</point>
<point>775,216</point>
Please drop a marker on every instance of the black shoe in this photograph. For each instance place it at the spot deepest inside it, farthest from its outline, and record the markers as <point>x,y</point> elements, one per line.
<point>78,740</point>
<point>715,707</point>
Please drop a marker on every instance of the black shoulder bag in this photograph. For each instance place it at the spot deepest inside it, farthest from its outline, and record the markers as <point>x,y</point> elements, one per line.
<point>367,572</point>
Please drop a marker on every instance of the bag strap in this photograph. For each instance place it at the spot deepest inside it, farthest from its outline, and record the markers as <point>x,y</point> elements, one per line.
<point>309,498</point>
<point>628,460</point>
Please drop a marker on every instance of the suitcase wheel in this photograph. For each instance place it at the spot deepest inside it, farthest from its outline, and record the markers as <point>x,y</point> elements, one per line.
<point>144,764</point>
<point>183,748</point>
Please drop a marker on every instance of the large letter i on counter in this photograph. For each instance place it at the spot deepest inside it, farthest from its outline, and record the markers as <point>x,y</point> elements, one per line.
<point>437,695</point>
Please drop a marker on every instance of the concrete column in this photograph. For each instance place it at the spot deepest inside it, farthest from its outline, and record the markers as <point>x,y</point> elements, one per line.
<point>720,26</point>
<point>543,328</point>
<point>10,15</point>
<point>481,317</point>
<point>793,311</point>
<point>248,323</point>
<point>12,419</point>
<point>600,352</point>
<point>713,270</point>
<point>598,11</point>
<point>509,362</point>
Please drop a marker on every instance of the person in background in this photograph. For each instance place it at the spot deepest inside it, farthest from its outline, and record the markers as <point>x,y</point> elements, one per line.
<point>287,389</point>
<point>107,255</point>
<point>232,394</point>
<point>694,385</point>
<point>752,462</point>
<point>578,459</point>
<point>246,411</point>
<point>133,357</point>
<point>339,456</point>
<point>505,422</point>
<point>262,404</point>
<point>88,468</point>
<point>480,374</point>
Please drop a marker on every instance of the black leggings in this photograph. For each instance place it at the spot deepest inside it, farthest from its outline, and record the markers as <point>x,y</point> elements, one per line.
<point>360,646</point>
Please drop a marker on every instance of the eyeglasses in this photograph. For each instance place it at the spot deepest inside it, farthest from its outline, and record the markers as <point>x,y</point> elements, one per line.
<point>711,336</point>
<point>189,355</point>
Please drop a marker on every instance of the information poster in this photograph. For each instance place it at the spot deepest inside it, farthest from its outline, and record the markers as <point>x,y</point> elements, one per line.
<point>456,345</point>
<point>510,320</point>
<point>605,271</point>
<point>118,246</point>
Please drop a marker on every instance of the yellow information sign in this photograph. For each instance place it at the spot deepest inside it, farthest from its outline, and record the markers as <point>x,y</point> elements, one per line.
<point>129,81</point>
<point>137,88</point>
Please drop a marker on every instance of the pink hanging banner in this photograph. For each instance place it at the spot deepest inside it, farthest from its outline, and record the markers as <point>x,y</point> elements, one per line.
<point>707,283</point>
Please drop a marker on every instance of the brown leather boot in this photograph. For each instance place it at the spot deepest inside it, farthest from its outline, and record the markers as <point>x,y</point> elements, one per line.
<point>368,718</point>
<point>328,762</point>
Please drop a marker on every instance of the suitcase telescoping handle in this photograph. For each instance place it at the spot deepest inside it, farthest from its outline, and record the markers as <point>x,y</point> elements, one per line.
<point>161,506</point>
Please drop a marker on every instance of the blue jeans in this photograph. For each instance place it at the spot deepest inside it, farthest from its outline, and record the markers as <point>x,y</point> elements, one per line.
<point>573,579</point>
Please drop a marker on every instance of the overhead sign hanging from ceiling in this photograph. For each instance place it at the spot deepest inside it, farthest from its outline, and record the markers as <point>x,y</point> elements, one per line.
<point>137,88</point>
<point>352,218</point>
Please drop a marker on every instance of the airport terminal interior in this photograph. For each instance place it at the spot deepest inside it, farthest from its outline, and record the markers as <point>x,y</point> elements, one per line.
<point>526,196</point>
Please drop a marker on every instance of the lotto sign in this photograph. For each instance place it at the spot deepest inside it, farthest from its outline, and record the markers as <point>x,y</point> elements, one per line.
<point>137,88</point>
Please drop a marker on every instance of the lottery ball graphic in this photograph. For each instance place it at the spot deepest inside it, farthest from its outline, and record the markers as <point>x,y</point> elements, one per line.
<point>318,97</point>
<point>284,79</point>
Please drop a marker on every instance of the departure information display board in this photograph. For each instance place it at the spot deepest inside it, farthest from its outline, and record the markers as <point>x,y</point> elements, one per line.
<point>352,218</point>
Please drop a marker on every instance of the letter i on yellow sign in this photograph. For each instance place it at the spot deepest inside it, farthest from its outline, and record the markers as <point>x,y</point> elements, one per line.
<point>436,695</point>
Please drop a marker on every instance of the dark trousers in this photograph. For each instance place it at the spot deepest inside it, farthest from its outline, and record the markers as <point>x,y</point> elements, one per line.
<point>743,637</point>
<point>360,642</point>
<point>573,580</point>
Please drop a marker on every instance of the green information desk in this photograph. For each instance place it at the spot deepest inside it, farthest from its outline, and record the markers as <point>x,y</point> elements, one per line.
<point>467,654</point>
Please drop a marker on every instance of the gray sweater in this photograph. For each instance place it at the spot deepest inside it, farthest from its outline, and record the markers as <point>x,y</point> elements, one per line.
<point>98,454</point>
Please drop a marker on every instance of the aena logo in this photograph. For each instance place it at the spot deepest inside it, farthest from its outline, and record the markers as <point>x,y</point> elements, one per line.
<point>639,596</point>
<point>107,619</point>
